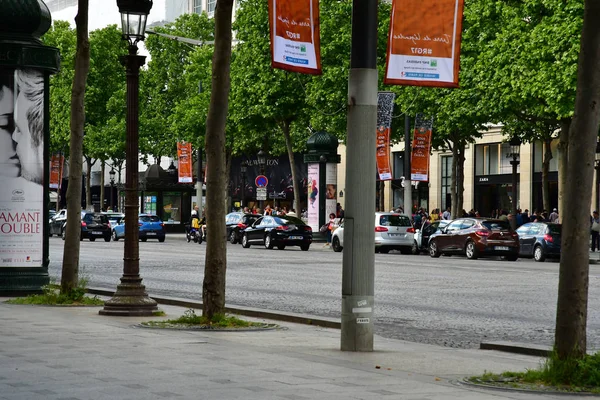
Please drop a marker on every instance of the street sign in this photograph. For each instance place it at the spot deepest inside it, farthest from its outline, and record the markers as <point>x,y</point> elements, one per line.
<point>275,195</point>
<point>261,181</point>
<point>261,193</point>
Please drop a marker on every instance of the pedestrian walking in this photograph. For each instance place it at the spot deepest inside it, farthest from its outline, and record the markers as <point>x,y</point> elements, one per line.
<point>446,214</point>
<point>554,215</point>
<point>595,230</point>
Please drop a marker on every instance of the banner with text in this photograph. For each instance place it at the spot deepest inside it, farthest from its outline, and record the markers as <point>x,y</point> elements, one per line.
<point>385,108</point>
<point>56,171</point>
<point>295,37</point>
<point>424,43</point>
<point>184,155</point>
<point>421,145</point>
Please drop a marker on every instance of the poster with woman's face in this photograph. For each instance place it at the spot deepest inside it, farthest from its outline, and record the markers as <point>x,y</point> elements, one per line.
<point>21,168</point>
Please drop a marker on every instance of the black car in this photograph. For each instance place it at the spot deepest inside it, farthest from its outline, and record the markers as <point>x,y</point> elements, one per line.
<point>236,222</point>
<point>93,225</point>
<point>280,231</point>
<point>539,240</point>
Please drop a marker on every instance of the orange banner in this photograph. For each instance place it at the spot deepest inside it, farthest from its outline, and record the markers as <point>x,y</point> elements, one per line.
<point>56,171</point>
<point>424,43</point>
<point>184,154</point>
<point>421,145</point>
<point>383,153</point>
<point>295,36</point>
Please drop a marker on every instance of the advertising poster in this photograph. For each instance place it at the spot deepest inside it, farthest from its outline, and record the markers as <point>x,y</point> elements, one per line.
<point>21,168</point>
<point>331,185</point>
<point>424,43</point>
<point>421,145</point>
<point>56,171</point>
<point>295,42</point>
<point>184,155</point>
<point>313,196</point>
<point>385,108</point>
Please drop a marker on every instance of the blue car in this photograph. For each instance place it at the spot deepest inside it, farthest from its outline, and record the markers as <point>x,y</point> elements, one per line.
<point>539,240</point>
<point>151,227</point>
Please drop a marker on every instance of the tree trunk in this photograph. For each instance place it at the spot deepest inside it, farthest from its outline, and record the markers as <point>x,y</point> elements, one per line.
<point>102,166</point>
<point>571,311</point>
<point>563,147</point>
<point>382,196</point>
<point>215,265</point>
<point>70,267</point>
<point>453,199</point>
<point>285,127</point>
<point>545,172</point>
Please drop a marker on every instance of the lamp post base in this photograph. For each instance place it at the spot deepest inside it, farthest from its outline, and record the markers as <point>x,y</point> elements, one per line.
<point>130,300</point>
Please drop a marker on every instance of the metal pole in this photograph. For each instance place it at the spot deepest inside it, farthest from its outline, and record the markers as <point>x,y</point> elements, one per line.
<point>515,196</point>
<point>358,287</point>
<point>130,298</point>
<point>112,200</point>
<point>407,154</point>
<point>261,202</point>
<point>199,185</point>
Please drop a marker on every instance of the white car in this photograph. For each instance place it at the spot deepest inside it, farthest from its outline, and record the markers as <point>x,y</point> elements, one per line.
<point>392,232</point>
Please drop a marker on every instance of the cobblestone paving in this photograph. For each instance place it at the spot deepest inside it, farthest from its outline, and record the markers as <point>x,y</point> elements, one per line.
<point>450,301</point>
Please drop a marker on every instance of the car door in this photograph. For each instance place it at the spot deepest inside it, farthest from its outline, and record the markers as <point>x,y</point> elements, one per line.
<point>446,241</point>
<point>426,231</point>
<point>525,244</point>
<point>58,222</point>
<point>460,237</point>
<point>255,232</point>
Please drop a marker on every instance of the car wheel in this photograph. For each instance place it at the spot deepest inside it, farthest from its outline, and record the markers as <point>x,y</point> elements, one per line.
<point>232,237</point>
<point>383,250</point>
<point>143,239</point>
<point>414,248</point>
<point>92,239</point>
<point>512,257</point>
<point>107,238</point>
<point>268,242</point>
<point>63,234</point>
<point>161,239</point>
<point>114,236</point>
<point>433,249</point>
<point>335,245</point>
<point>305,247</point>
<point>245,243</point>
<point>471,250</point>
<point>538,254</point>
<point>281,246</point>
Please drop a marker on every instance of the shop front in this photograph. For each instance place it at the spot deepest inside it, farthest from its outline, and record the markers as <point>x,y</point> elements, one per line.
<point>494,192</point>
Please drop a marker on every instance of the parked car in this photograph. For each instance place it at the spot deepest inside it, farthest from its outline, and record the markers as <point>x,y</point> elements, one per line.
<point>114,217</point>
<point>278,231</point>
<point>57,222</point>
<point>151,227</point>
<point>93,226</point>
<point>476,237</point>
<point>392,232</point>
<point>539,240</point>
<point>423,234</point>
<point>236,222</point>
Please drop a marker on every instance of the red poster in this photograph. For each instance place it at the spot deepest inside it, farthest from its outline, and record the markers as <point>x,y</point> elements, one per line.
<point>421,145</point>
<point>56,171</point>
<point>424,43</point>
<point>295,36</point>
<point>383,153</point>
<point>184,154</point>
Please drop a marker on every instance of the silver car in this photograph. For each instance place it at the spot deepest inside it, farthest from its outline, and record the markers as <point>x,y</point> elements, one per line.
<point>392,232</point>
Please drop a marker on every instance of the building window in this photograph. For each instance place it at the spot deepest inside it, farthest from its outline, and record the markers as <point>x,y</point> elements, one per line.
<point>446,162</point>
<point>59,5</point>
<point>197,7</point>
<point>491,159</point>
<point>538,156</point>
<point>398,157</point>
<point>211,6</point>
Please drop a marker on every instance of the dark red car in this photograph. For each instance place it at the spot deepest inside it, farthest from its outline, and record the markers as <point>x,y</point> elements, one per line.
<point>476,237</point>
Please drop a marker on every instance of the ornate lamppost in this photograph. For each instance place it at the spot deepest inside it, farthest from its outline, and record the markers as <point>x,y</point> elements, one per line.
<point>131,298</point>
<point>262,163</point>
<point>112,174</point>
<point>243,170</point>
<point>515,147</point>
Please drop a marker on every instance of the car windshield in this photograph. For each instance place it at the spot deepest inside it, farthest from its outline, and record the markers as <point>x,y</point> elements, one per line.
<point>95,218</point>
<point>496,225</point>
<point>149,218</point>
<point>394,220</point>
<point>287,220</point>
<point>554,229</point>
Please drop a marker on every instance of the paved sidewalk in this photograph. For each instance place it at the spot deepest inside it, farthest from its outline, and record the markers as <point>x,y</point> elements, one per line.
<point>54,353</point>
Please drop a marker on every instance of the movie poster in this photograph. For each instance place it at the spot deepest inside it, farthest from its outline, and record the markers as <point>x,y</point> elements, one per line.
<point>313,196</point>
<point>21,168</point>
<point>331,185</point>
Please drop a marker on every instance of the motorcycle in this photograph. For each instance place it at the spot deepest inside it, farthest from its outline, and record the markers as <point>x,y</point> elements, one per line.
<point>193,234</point>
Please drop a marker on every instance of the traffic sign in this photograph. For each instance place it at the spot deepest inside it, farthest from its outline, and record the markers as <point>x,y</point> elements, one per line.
<point>261,181</point>
<point>261,193</point>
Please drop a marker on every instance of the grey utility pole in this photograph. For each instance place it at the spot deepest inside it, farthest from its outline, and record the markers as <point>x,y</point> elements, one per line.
<point>407,154</point>
<point>358,277</point>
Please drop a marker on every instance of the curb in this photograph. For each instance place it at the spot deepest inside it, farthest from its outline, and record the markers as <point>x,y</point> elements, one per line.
<point>527,349</point>
<point>240,310</point>
<point>508,389</point>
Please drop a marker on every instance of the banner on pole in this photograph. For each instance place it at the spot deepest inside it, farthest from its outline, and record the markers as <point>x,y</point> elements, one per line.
<point>424,43</point>
<point>385,108</point>
<point>184,155</point>
<point>56,171</point>
<point>295,37</point>
<point>421,145</point>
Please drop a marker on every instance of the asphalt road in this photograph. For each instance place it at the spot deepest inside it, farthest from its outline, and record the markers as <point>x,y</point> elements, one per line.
<point>449,301</point>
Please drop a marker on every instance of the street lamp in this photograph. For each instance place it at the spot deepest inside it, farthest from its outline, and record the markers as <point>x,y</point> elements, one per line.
<point>262,163</point>
<point>515,148</point>
<point>112,174</point>
<point>130,298</point>
<point>243,170</point>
